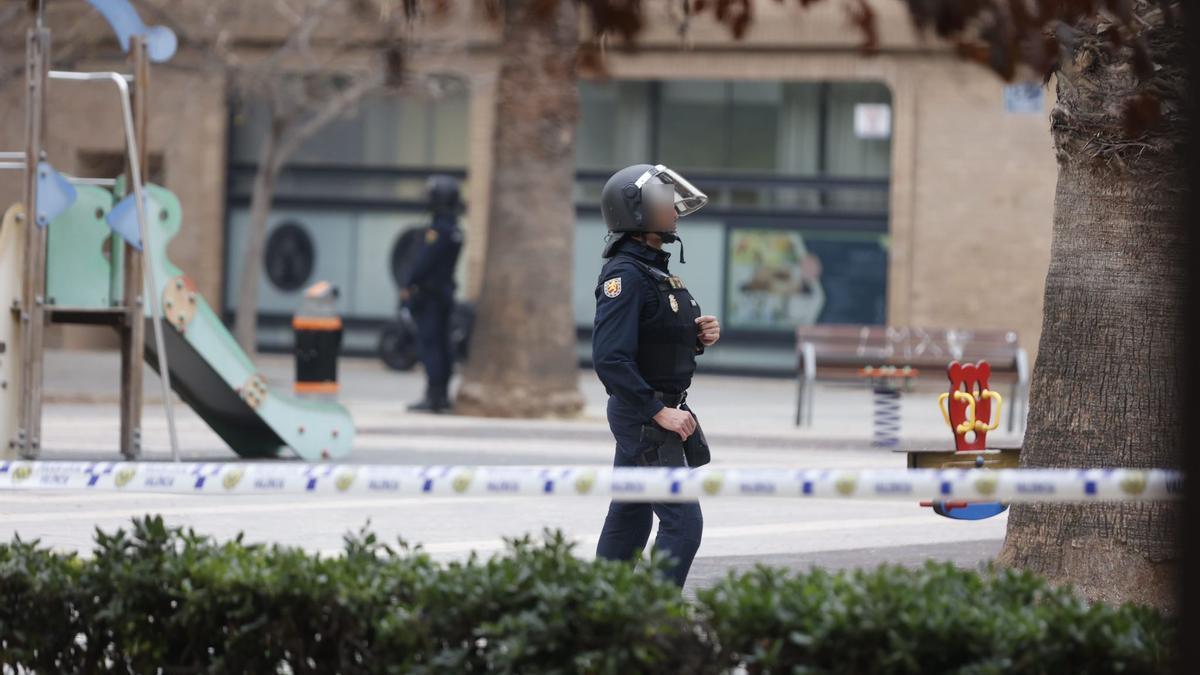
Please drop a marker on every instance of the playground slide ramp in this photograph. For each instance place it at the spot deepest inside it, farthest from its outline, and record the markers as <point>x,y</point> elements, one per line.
<point>212,374</point>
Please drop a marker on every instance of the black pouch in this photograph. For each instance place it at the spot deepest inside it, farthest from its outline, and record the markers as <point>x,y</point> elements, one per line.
<point>665,449</point>
<point>695,448</point>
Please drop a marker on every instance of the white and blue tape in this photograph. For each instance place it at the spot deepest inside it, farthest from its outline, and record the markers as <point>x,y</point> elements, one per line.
<point>622,484</point>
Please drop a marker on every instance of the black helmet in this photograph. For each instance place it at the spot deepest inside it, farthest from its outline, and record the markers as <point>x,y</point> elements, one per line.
<point>443,195</point>
<point>630,194</point>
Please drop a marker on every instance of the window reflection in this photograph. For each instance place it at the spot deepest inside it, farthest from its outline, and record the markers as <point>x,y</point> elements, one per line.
<point>725,129</point>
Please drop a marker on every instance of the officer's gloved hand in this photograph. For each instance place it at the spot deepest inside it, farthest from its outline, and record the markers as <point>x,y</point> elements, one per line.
<point>676,421</point>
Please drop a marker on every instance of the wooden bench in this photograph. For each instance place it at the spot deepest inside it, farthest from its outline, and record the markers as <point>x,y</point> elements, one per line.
<point>839,351</point>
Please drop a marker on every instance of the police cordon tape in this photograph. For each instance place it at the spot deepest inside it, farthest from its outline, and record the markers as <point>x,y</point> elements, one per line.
<point>622,484</point>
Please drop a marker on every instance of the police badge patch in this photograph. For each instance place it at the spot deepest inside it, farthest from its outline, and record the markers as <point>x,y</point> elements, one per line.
<point>612,287</point>
<point>674,303</point>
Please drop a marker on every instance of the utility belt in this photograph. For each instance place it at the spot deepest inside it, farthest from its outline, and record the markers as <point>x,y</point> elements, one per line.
<point>429,293</point>
<point>665,448</point>
<point>671,400</point>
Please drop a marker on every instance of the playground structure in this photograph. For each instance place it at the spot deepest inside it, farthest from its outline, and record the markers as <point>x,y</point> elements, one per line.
<point>94,251</point>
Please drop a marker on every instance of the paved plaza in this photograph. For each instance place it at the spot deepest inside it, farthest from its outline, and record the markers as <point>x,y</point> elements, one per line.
<point>749,422</point>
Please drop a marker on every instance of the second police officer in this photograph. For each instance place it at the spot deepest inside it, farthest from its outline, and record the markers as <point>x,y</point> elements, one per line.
<point>648,332</point>
<point>429,291</point>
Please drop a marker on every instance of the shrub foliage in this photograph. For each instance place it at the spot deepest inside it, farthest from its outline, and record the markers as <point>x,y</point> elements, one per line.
<point>165,600</point>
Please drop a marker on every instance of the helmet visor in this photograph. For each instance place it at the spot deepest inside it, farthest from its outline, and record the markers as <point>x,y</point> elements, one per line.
<point>683,196</point>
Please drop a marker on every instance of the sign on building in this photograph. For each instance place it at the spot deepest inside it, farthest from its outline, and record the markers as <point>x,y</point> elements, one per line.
<point>1023,98</point>
<point>872,120</point>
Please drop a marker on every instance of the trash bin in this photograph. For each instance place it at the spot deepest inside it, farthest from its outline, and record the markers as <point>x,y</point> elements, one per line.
<point>318,335</point>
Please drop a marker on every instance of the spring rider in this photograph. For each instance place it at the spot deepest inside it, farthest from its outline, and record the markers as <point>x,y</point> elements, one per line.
<point>971,409</point>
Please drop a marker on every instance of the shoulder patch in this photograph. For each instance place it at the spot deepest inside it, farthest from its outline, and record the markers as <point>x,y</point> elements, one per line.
<point>431,236</point>
<point>612,287</point>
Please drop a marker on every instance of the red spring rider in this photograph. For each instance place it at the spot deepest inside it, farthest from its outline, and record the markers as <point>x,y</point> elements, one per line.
<point>971,410</point>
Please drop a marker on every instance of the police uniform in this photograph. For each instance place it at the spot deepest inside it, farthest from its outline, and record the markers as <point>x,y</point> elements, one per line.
<point>431,286</point>
<point>644,347</point>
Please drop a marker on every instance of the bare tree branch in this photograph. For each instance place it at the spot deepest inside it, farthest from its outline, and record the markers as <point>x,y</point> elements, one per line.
<point>347,99</point>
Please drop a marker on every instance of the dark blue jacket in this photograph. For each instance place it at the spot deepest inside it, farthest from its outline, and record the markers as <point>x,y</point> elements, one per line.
<point>622,308</point>
<point>432,271</point>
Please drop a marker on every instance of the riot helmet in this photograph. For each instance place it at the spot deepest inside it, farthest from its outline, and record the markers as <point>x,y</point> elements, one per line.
<point>443,195</point>
<point>647,198</point>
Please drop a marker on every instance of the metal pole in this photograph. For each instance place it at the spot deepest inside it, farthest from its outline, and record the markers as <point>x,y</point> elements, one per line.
<point>141,148</point>
<point>28,440</point>
<point>133,283</point>
<point>151,284</point>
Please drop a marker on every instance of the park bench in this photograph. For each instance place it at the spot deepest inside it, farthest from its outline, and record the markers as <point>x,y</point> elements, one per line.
<point>833,352</point>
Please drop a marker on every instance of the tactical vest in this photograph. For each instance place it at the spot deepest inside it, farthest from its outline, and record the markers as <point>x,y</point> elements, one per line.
<point>668,341</point>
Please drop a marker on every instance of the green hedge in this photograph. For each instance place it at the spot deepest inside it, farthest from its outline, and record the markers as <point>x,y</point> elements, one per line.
<point>165,600</point>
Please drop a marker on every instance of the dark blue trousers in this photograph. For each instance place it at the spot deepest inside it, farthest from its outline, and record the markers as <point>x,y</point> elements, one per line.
<point>432,316</point>
<point>627,527</point>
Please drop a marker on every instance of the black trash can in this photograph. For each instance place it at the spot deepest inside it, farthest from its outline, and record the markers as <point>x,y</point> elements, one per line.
<point>318,338</point>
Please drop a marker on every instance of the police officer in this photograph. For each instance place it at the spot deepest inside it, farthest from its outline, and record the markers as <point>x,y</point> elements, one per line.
<point>429,291</point>
<point>648,332</point>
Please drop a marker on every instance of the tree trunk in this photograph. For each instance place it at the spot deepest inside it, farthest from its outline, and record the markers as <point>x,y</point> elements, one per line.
<point>1106,387</point>
<point>246,317</point>
<point>523,361</point>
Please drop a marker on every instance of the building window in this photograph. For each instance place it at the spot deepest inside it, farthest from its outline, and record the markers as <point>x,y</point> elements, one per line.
<point>614,130</point>
<point>382,149</point>
<point>797,174</point>
<point>419,128</point>
<point>773,129</point>
<point>346,203</point>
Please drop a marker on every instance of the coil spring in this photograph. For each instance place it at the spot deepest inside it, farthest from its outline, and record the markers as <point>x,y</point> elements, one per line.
<point>886,416</point>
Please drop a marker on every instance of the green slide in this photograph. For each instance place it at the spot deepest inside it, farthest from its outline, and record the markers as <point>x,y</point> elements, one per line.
<point>209,371</point>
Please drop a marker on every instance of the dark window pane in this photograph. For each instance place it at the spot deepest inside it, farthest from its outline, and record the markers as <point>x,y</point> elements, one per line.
<point>693,125</point>
<point>418,128</point>
<point>754,125</point>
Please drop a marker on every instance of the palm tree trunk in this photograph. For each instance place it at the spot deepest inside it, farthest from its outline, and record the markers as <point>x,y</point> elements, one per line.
<point>1106,385</point>
<point>523,360</point>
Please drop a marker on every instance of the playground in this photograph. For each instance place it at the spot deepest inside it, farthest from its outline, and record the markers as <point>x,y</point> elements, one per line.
<point>93,250</point>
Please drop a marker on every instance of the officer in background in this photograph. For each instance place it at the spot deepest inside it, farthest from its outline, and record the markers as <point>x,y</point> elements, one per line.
<point>429,291</point>
<point>647,334</point>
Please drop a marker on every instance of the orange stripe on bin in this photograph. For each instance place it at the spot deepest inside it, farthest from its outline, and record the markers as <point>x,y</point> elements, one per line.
<point>317,323</point>
<point>315,387</point>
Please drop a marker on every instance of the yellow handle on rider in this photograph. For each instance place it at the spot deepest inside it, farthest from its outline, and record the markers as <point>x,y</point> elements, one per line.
<point>995,423</point>
<point>944,408</point>
<point>966,398</point>
<point>970,401</point>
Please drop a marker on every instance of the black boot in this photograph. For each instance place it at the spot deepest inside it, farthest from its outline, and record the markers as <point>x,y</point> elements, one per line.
<point>424,405</point>
<point>435,401</point>
<point>439,400</point>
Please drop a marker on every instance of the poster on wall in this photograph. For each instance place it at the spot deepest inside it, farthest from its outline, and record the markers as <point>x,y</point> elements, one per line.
<point>872,121</point>
<point>781,279</point>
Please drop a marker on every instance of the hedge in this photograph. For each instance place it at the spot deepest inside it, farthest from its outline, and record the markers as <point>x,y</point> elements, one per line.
<point>166,600</point>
